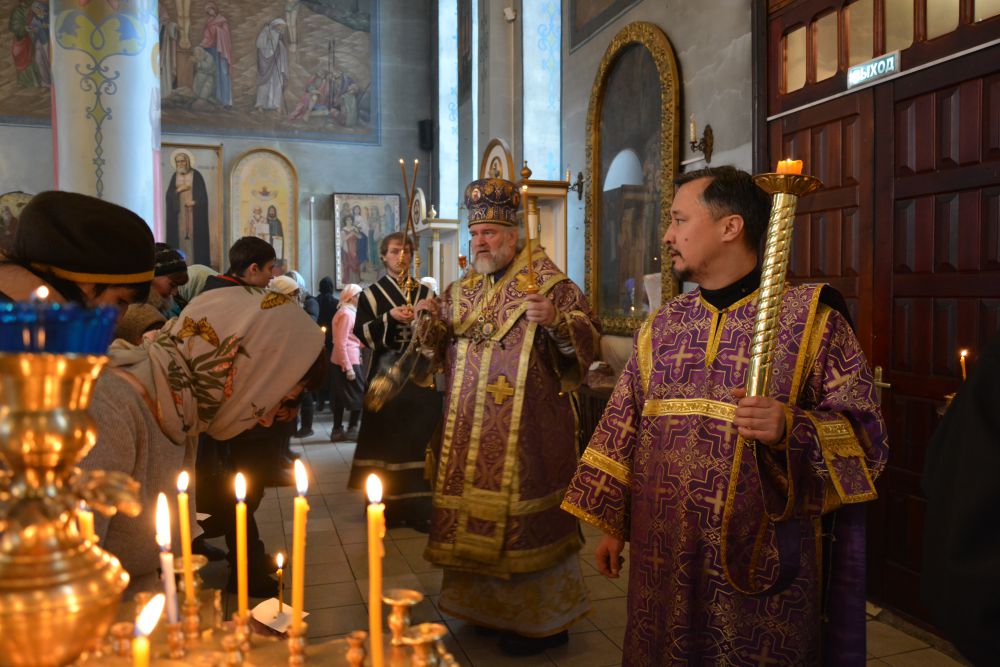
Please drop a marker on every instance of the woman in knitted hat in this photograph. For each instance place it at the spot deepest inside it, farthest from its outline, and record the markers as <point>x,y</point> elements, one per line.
<point>221,368</point>
<point>169,274</point>
<point>85,250</point>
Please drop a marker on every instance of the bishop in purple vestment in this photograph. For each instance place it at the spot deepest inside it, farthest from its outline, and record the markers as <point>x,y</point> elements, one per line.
<point>507,447</point>
<point>728,503</point>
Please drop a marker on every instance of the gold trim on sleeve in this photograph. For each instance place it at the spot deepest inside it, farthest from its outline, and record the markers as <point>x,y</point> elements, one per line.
<point>608,465</point>
<point>668,407</point>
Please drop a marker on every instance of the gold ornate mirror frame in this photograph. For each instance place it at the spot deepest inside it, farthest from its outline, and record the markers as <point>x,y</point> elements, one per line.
<point>653,39</point>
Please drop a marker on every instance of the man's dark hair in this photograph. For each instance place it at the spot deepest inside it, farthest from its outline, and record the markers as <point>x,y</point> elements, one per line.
<point>383,246</point>
<point>733,192</point>
<point>247,251</point>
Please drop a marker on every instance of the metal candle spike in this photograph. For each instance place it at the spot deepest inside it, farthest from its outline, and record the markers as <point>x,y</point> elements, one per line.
<point>410,190</point>
<point>785,190</point>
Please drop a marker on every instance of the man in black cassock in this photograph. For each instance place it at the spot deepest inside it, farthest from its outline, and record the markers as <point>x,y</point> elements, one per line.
<point>961,580</point>
<point>392,442</point>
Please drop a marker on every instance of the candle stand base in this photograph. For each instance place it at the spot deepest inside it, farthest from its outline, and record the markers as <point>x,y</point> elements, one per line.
<point>356,652</point>
<point>192,622</point>
<point>297,645</point>
<point>241,630</point>
<point>121,638</point>
<point>231,646</point>
<point>175,640</point>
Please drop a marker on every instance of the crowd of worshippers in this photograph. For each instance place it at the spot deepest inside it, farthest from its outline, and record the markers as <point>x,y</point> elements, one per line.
<point>727,503</point>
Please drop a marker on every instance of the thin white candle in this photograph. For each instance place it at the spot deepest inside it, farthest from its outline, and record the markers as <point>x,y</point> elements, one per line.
<point>166,556</point>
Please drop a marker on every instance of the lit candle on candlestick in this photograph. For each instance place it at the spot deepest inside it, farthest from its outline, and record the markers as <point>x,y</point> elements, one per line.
<point>376,531</point>
<point>280,560</point>
<point>694,131</point>
<point>789,166</point>
<point>184,523</point>
<point>144,626</point>
<point>299,545</point>
<point>166,556</point>
<point>961,359</point>
<point>85,522</point>
<point>241,544</point>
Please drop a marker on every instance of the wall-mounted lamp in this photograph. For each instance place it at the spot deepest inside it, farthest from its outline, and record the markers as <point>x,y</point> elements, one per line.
<point>578,186</point>
<point>705,144</point>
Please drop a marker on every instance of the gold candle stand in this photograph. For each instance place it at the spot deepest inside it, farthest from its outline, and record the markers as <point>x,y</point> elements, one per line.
<point>423,640</point>
<point>401,600</point>
<point>785,190</point>
<point>356,648</point>
<point>58,591</point>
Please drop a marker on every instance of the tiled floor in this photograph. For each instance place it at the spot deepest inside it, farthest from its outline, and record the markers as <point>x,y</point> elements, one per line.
<point>337,577</point>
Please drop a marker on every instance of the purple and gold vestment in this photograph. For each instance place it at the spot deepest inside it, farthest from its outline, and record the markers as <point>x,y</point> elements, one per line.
<point>507,451</point>
<point>667,471</point>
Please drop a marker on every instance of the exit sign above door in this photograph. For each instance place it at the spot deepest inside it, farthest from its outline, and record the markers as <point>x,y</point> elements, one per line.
<point>877,68</point>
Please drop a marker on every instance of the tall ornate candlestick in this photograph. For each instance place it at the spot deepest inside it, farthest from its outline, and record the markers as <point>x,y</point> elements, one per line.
<point>785,190</point>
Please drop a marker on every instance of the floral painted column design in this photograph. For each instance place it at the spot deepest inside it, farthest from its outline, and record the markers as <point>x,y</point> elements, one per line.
<point>106,90</point>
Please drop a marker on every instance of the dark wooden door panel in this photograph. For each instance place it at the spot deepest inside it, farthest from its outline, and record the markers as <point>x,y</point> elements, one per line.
<point>833,228</point>
<point>938,265</point>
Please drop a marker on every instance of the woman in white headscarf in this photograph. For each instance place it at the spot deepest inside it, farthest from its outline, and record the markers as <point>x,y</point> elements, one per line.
<point>221,367</point>
<point>347,386</point>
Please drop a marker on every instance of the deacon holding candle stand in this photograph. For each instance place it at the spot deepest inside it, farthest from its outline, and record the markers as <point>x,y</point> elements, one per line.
<point>737,446</point>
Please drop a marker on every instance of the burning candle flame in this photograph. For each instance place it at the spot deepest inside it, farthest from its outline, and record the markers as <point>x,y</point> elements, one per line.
<point>280,560</point>
<point>964,353</point>
<point>150,615</point>
<point>241,487</point>
<point>182,481</point>
<point>374,488</point>
<point>162,522</point>
<point>42,293</point>
<point>301,478</point>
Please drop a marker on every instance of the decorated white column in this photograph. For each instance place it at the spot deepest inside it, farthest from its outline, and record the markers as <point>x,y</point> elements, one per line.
<point>106,92</point>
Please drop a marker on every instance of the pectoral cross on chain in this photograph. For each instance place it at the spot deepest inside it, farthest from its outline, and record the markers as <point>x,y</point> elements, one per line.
<point>500,389</point>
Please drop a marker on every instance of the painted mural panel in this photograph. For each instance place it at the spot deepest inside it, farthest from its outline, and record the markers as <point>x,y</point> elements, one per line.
<point>264,201</point>
<point>304,69</point>
<point>587,17</point>
<point>361,221</point>
<point>191,183</point>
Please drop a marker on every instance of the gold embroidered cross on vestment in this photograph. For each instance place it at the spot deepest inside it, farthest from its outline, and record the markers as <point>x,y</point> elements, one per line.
<point>500,389</point>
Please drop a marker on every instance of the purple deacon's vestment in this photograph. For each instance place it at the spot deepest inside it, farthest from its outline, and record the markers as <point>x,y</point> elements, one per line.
<point>704,512</point>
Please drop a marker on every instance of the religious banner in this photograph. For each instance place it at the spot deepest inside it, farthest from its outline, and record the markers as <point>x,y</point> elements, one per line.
<point>264,201</point>
<point>191,183</point>
<point>297,69</point>
<point>360,222</point>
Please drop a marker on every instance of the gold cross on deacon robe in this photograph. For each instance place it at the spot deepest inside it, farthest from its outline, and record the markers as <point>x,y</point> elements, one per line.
<point>500,389</point>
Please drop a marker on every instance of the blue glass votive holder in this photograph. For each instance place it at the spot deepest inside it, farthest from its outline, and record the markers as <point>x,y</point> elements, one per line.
<point>54,328</point>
